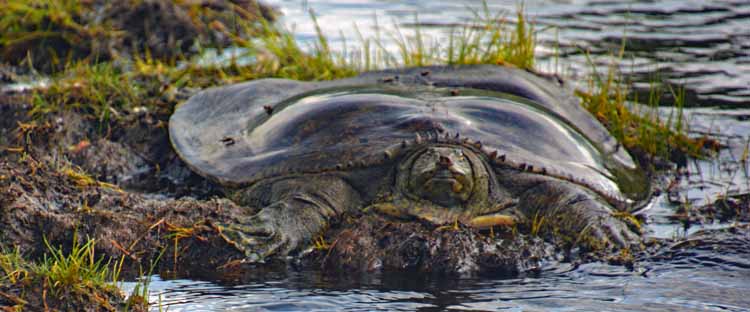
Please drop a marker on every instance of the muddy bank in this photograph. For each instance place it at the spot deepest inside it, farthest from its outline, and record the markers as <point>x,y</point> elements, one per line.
<point>49,35</point>
<point>70,173</point>
<point>60,178</point>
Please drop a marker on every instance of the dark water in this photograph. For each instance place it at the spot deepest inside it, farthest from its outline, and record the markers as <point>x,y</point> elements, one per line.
<point>693,279</point>
<point>704,45</point>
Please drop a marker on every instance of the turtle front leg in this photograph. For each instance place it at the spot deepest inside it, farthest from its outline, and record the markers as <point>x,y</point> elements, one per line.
<point>576,216</point>
<point>300,208</point>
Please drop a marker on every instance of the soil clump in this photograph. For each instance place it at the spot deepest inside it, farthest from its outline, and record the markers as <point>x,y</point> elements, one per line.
<point>48,35</point>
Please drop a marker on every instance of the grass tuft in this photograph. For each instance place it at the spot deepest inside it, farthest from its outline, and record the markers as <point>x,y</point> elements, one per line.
<point>289,60</point>
<point>609,99</point>
<point>78,270</point>
<point>488,39</point>
<point>76,277</point>
<point>100,90</point>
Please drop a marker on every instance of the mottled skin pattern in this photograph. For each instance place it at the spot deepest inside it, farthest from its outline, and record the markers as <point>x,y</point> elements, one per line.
<point>300,155</point>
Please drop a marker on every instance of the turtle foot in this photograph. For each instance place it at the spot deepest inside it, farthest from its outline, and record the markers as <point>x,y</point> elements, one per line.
<point>260,236</point>
<point>608,233</point>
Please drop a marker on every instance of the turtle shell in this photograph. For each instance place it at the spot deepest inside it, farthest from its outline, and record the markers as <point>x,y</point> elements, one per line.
<point>242,133</point>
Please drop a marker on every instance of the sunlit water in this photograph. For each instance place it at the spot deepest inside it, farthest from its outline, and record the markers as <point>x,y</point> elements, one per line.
<point>704,45</point>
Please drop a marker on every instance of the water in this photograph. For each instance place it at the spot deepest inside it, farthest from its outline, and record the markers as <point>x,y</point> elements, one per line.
<point>699,279</point>
<point>700,44</point>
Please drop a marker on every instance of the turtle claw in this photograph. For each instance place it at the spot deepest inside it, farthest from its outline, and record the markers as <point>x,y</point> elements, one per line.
<point>609,233</point>
<point>257,237</point>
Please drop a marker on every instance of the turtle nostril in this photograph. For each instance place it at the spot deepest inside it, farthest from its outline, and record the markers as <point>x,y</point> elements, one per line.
<point>444,162</point>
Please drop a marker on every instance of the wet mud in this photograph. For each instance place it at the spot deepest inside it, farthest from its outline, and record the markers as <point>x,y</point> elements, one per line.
<point>374,243</point>
<point>61,178</point>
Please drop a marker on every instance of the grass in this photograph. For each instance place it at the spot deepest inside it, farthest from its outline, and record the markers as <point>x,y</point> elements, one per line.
<point>50,34</point>
<point>54,29</point>
<point>11,264</point>
<point>139,296</point>
<point>536,224</point>
<point>78,270</point>
<point>75,275</point>
<point>176,233</point>
<point>488,39</point>
<point>609,99</point>
<point>100,90</point>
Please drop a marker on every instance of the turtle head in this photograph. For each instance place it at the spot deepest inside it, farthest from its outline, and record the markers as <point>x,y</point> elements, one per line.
<point>443,175</point>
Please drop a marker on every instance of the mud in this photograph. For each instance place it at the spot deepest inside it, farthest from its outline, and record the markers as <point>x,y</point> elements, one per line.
<point>373,243</point>
<point>38,297</point>
<point>103,30</point>
<point>60,175</point>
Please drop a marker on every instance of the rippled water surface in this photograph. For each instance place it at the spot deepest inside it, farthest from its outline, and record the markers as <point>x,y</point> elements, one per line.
<point>704,45</point>
<point>697,279</point>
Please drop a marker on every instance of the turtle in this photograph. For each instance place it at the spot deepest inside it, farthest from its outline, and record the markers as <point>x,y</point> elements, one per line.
<point>482,145</point>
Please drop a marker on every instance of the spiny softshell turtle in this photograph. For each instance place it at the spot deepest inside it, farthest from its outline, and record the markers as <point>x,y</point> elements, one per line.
<point>482,145</point>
